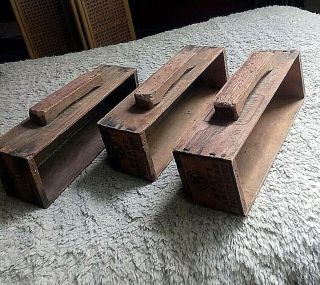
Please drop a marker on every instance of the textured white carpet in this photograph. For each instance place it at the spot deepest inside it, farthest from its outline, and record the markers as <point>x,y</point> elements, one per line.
<point>108,227</point>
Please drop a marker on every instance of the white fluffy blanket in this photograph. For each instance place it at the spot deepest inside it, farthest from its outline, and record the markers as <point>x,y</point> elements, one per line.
<point>108,227</point>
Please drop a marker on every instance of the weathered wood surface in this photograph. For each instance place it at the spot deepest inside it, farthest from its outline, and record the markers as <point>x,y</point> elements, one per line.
<point>27,138</point>
<point>39,162</point>
<point>50,107</point>
<point>223,164</point>
<point>233,95</point>
<point>141,140</point>
<point>128,116</point>
<point>151,92</point>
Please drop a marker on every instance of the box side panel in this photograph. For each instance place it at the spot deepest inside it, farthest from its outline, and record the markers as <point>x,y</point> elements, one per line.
<point>210,182</point>
<point>257,154</point>
<point>128,152</point>
<point>216,74</point>
<point>67,162</point>
<point>21,179</point>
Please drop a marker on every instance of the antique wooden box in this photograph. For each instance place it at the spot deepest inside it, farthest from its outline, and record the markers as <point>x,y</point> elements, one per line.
<point>224,160</point>
<point>41,156</point>
<point>141,132</point>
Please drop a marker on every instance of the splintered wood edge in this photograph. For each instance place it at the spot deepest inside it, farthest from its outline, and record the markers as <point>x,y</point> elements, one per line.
<point>50,107</point>
<point>151,92</point>
<point>232,97</point>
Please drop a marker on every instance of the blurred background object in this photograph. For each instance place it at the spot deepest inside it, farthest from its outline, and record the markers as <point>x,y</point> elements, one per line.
<point>102,22</point>
<point>56,27</point>
<point>312,5</point>
<point>45,27</point>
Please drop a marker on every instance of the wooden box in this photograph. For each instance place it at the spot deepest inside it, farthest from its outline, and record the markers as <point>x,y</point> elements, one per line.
<point>41,156</point>
<point>141,132</point>
<point>224,160</point>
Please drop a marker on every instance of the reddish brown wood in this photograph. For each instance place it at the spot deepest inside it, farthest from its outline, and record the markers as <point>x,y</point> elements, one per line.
<point>223,164</point>
<point>49,108</point>
<point>140,141</point>
<point>233,95</point>
<point>39,162</point>
<point>151,92</point>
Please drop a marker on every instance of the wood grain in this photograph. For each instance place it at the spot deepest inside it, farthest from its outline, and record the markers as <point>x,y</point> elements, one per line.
<point>39,162</point>
<point>232,97</point>
<point>223,164</point>
<point>141,140</point>
<point>49,108</point>
<point>151,92</point>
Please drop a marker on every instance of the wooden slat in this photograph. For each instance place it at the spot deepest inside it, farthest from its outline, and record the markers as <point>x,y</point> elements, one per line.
<point>128,116</point>
<point>232,97</point>
<point>49,108</point>
<point>79,23</point>
<point>151,92</point>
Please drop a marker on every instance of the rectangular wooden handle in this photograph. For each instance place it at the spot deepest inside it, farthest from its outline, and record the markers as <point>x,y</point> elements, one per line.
<point>49,108</point>
<point>230,101</point>
<point>151,92</point>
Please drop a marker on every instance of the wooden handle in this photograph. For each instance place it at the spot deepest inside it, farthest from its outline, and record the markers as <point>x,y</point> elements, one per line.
<point>49,108</point>
<point>230,101</point>
<point>151,92</point>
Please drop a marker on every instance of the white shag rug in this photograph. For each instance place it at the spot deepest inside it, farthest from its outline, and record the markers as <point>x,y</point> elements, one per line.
<point>111,228</point>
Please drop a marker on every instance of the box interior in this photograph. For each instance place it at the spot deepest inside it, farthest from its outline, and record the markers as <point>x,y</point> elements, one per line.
<point>165,134</point>
<point>63,160</point>
<point>260,149</point>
